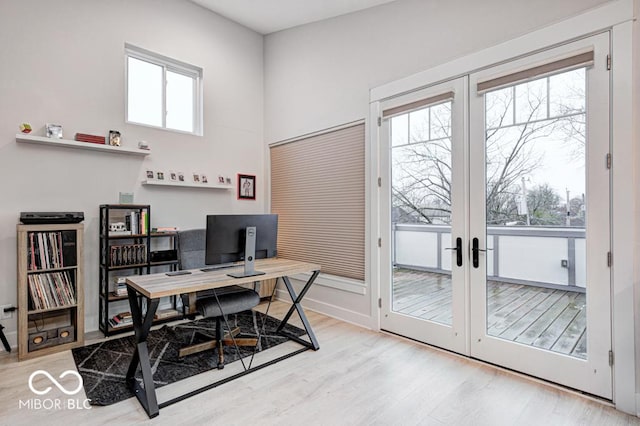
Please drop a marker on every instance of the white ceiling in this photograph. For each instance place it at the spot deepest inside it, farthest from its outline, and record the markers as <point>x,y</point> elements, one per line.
<point>268,16</point>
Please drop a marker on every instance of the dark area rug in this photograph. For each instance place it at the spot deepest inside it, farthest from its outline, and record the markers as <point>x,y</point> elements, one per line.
<point>103,366</point>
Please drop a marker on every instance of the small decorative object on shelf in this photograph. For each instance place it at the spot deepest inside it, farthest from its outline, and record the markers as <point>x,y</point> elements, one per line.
<point>180,177</point>
<point>150,174</point>
<point>114,138</point>
<point>160,175</point>
<point>118,228</point>
<point>53,131</point>
<point>143,145</point>
<point>204,179</point>
<point>25,128</point>
<point>246,187</point>
<point>196,177</point>
<point>173,176</point>
<point>220,179</point>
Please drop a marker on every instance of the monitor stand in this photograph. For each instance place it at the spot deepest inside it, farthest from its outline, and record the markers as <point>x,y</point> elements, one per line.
<point>249,255</point>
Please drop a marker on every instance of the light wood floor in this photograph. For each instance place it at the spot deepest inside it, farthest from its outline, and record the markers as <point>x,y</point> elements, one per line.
<point>358,377</point>
<point>545,318</point>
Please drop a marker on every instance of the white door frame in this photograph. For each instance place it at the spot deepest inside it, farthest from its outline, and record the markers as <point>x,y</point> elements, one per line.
<point>615,16</point>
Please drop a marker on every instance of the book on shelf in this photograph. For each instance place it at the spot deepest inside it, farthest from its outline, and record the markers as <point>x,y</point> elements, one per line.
<point>121,290</point>
<point>161,229</point>
<point>120,320</point>
<point>117,233</point>
<point>134,222</point>
<point>144,222</point>
<point>83,137</point>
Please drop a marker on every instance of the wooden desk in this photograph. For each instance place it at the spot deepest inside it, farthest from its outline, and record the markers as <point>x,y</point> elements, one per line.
<point>153,287</point>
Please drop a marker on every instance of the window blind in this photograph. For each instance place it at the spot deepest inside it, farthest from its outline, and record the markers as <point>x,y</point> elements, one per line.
<point>576,60</point>
<point>432,100</point>
<point>318,192</point>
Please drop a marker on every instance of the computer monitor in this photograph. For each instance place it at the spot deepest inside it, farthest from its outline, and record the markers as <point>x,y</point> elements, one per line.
<point>232,238</point>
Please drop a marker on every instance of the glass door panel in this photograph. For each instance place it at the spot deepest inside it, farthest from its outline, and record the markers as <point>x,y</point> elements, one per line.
<point>423,288</point>
<point>535,212</point>
<point>421,212</point>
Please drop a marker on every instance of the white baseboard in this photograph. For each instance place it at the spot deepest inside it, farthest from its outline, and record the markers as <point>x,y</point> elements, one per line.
<point>329,310</point>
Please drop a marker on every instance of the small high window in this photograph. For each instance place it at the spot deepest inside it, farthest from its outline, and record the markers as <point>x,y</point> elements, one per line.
<point>163,92</point>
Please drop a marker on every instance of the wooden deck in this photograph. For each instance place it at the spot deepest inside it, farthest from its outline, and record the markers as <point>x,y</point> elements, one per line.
<point>544,318</point>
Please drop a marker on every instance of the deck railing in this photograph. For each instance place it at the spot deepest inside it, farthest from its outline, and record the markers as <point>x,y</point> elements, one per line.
<point>543,256</point>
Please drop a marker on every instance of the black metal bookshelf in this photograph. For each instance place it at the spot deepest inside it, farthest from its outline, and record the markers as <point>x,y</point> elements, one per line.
<point>126,249</point>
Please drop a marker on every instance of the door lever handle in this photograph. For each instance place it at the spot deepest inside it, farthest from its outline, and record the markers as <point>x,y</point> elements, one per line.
<point>475,252</point>
<point>458,249</point>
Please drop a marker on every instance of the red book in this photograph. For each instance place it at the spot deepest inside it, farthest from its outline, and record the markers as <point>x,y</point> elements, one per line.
<point>83,137</point>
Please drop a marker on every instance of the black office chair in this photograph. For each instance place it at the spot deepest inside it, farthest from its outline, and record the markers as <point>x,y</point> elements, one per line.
<point>214,303</point>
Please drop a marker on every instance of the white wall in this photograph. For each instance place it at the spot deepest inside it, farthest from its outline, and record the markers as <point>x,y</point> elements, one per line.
<point>635,208</point>
<point>63,62</point>
<point>319,75</point>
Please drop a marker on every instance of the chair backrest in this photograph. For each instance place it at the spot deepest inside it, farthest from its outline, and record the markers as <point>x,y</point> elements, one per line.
<point>191,248</point>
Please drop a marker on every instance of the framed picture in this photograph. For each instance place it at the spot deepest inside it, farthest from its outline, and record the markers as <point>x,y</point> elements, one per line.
<point>54,131</point>
<point>173,175</point>
<point>246,187</point>
<point>160,175</point>
<point>114,138</point>
<point>149,174</point>
<point>196,177</point>
<point>204,179</point>
<point>220,179</point>
<point>180,177</point>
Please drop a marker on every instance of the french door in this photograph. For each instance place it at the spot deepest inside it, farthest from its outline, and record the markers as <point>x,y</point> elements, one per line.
<point>497,209</point>
<point>424,158</point>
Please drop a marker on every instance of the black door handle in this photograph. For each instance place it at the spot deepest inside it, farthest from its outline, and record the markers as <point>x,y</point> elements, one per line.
<point>475,250</point>
<point>458,249</point>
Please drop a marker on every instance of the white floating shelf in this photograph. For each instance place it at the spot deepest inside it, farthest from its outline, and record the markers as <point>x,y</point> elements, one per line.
<point>187,184</point>
<point>66,143</point>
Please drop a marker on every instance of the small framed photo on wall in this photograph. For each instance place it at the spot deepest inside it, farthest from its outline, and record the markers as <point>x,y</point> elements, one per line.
<point>246,187</point>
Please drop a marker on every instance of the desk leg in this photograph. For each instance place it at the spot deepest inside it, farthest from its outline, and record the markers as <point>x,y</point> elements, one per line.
<point>298,307</point>
<point>141,326</point>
